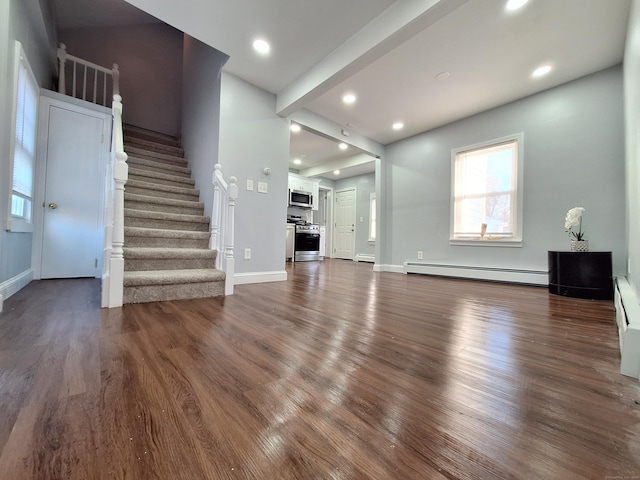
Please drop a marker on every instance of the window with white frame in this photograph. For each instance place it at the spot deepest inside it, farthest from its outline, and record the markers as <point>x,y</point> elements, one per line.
<point>372,217</point>
<point>487,193</point>
<point>23,143</point>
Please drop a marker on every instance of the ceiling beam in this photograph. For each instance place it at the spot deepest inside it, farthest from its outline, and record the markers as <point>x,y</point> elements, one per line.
<point>396,25</point>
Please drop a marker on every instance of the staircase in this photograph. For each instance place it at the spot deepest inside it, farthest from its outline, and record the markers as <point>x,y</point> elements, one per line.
<point>166,246</point>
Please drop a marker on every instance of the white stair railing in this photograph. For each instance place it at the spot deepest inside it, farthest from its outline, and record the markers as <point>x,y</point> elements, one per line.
<point>117,175</point>
<point>89,81</point>
<point>223,225</point>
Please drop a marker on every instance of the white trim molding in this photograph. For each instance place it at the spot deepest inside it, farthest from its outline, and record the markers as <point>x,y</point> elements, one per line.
<point>628,320</point>
<point>14,285</point>
<point>388,268</point>
<point>529,277</point>
<point>259,277</point>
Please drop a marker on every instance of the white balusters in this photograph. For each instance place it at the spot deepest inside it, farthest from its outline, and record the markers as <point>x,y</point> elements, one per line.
<point>223,224</point>
<point>97,89</point>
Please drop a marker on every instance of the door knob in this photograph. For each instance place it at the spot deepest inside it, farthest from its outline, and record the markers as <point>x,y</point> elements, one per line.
<point>53,206</point>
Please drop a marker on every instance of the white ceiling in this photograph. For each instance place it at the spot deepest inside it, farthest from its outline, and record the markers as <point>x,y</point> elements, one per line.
<point>387,52</point>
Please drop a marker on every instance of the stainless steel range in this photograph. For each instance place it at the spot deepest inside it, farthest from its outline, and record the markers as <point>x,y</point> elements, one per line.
<point>307,243</point>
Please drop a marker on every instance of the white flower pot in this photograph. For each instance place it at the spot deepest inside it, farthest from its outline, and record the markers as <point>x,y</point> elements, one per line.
<point>579,245</point>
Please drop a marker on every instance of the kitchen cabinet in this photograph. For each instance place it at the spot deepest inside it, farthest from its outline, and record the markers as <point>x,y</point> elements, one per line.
<point>305,184</point>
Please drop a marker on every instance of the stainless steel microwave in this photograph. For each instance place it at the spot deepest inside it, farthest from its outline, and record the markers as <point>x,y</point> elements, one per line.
<point>298,198</point>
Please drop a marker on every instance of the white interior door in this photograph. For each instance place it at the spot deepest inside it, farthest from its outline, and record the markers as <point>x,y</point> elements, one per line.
<point>345,224</point>
<point>71,236</point>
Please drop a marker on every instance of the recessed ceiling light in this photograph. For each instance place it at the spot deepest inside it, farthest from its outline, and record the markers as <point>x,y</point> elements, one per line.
<point>295,127</point>
<point>297,161</point>
<point>349,98</point>
<point>261,46</point>
<point>343,146</point>
<point>540,71</point>
<point>336,172</point>
<point>398,126</point>
<point>515,4</point>
<point>443,75</point>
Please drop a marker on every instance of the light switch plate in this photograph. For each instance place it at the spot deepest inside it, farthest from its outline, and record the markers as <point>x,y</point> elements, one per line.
<point>262,187</point>
<point>250,185</point>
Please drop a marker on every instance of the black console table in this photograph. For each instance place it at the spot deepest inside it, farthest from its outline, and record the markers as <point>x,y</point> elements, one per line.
<point>581,274</point>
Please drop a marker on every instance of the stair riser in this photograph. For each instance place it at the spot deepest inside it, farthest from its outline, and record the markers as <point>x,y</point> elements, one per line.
<point>161,194</point>
<point>164,242</point>
<point>137,265</point>
<point>154,207</point>
<point>159,181</point>
<point>163,223</point>
<point>136,163</point>
<point>160,293</point>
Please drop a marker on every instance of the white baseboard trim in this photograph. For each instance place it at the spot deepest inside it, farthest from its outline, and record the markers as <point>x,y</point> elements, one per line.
<point>259,277</point>
<point>13,285</point>
<point>529,277</point>
<point>628,320</point>
<point>388,268</point>
<point>364,257</point>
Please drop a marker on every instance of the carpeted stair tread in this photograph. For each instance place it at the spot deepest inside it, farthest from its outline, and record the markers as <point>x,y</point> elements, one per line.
<point>171,217</point>
<point>133,131</point>
<point>170,277</point>
<point>134,197</point>
<point>155,177</point>
<point>153,146</point>
<point>172,253</point>
<point>165,233</point>
<point>156,187</point>
<point>160,167</point>
<point>157,156</point>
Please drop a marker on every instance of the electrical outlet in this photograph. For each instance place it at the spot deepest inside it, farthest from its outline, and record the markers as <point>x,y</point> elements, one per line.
<point>247,254</point>
<point>420,255</point>
<point>262,187</point>
<point>250,185</point>
<point>628,266</point>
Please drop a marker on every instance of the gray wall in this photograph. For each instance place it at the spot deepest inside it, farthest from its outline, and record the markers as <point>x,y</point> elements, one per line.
<point>149,57</point>
<point>24,21</point>
<point>573,156</point>
<point>202,67</point>
<point>632,117</point>
<point>364,185</point>
<point>253,137</point>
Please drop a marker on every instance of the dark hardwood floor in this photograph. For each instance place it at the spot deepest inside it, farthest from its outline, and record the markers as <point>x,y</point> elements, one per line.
<point>338,373</point>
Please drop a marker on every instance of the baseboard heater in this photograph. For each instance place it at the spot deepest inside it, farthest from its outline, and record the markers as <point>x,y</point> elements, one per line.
<point>509,275</point>
<point>364,257</point>
<point>628,320</point>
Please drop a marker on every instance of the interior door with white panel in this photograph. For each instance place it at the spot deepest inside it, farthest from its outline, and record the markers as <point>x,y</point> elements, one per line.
<point>72,236</point>
<point>345,224</point>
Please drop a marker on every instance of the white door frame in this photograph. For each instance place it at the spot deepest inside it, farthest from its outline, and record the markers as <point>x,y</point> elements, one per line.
<point>329,228</point>
<point>48,99</point>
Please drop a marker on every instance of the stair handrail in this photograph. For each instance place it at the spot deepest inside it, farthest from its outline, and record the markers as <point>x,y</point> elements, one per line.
<point>118,173</point>
<point>222,236</point>
<point>87,67</point>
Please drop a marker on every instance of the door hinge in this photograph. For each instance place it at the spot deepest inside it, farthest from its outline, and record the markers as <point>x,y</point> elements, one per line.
<point>96,263</point>
<point>102,139</point>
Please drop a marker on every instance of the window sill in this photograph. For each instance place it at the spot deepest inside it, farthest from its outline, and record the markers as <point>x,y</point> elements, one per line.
<point>481,242</point>
<point>16,225</point>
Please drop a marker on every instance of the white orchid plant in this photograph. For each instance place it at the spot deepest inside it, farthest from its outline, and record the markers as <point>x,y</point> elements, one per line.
<point>572,220</point>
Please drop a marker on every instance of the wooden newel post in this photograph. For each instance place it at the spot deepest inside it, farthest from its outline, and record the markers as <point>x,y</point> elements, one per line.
<point>62,60</point>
